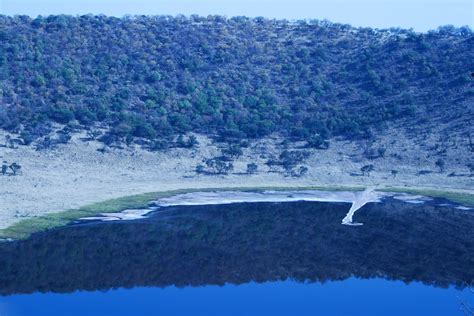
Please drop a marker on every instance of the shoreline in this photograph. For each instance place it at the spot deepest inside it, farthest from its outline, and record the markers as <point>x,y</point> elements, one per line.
<point>77,179</point>
<point>24,228</point>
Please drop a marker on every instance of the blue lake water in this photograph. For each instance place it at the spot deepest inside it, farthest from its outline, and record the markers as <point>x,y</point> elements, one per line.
<point>349,297</point>
<point>248,259</point>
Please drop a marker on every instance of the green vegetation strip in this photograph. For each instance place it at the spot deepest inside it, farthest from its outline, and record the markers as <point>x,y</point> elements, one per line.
<point>24,228</point>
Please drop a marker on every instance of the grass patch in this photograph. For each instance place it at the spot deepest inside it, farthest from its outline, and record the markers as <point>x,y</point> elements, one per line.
<point>24,228</point>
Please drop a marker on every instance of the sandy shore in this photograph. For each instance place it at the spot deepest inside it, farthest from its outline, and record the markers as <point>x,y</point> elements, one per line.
<point>76,174</point>
<point>357,199</point>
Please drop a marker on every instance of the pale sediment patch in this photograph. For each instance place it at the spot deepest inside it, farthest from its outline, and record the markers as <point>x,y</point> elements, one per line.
<point>357,199</point>
<point>414,199</point>
<point>228,197</point>
<point>125,215</point>
<point>463,208</point>
<point>360,199</point>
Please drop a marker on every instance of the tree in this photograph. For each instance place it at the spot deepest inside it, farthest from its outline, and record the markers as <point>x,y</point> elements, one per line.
<point>272,164</point>
<point>252,168</point>
<point>192,141</point>
<point>200,169</point>
<point>144,130</point>
<point>470,166</point>
<point>470,141</point>
<point>38,81</point>
<point>367,169</point>
<point>4,168</point>
<point>440,164</point>
<point>302,171</point>
<point>61,114</point>
<point>189,143</point>
<point>63,138</point>
<point>224,168</point>
<point>219,166</point>
<point>290,158</point>
<point>180,141</point>
<point>15,168</point>
<point>317,142</point>
<point>233,151</point>
<point>381,150</point>
<point>394,173</point>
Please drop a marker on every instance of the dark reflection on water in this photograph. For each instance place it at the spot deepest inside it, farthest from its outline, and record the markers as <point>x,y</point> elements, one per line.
<point>240,243</point>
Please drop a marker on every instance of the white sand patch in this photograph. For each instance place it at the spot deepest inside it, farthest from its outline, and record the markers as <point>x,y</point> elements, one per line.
<point>228,197</point>
<point>464,208</point>
<point>413,199</point>
<point>125,215</point>
<point>357,199</point>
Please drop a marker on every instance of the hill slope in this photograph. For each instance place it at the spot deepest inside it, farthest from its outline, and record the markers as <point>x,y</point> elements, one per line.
<point>157,77</point>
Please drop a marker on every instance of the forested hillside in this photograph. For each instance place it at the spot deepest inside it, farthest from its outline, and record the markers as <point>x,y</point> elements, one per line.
<point>157,77</point>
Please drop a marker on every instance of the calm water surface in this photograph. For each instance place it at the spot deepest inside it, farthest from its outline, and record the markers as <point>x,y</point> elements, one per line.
<point>248,259</point>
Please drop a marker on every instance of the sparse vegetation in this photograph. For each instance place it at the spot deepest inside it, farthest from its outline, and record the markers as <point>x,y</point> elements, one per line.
<point>302,170</point>
<point>215,166</point>
<point>190,142</point>
<point>470,166</point>
<point>13,167</point>
<point>289,159</point>
<point>367,169</point>
<point>317,142</point>
<point>233,151</point>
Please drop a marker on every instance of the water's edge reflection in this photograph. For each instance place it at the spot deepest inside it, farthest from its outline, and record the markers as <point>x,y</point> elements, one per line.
<point>240,243</point>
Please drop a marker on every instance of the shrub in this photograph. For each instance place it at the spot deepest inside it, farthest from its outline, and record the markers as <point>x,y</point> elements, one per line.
<point>367,169</point>
<point>252,168</point>
<point>317,142</point>
<point>440,164</point>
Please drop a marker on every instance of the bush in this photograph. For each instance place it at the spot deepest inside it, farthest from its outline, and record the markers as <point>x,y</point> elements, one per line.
<point>367,169</point>
<point>200,169</point>
<point>290,158</point>
<point>61,114</point>
<point>252,168</point>
<point>233,151</point>
<point>440,164</point>
<point>144,130</point>
<point>26,137</point>
<point>381,151</point>
<point>317,142</point>
<point>218,166</point>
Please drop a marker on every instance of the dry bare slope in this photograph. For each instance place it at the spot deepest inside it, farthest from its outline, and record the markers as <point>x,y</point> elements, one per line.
<point>77,174</point>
